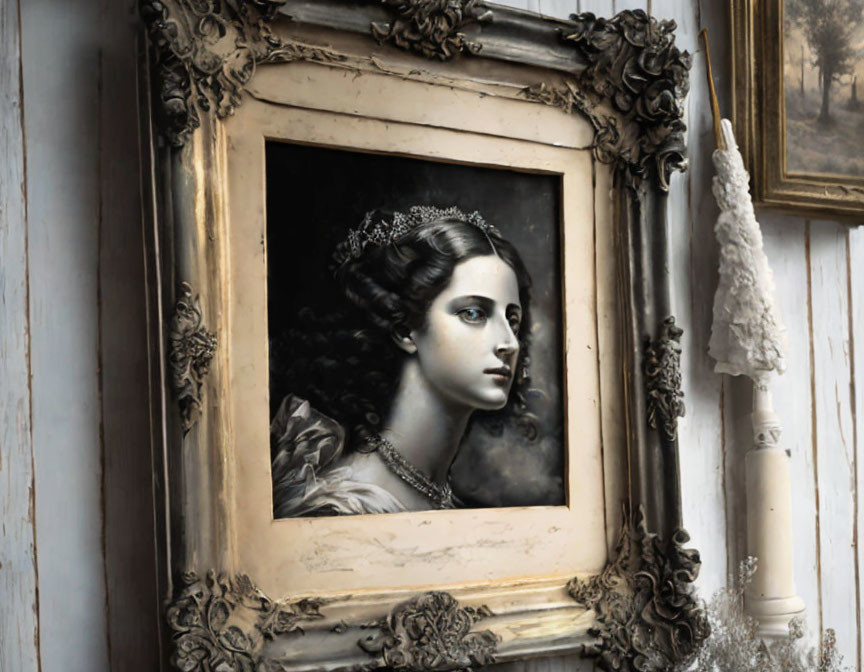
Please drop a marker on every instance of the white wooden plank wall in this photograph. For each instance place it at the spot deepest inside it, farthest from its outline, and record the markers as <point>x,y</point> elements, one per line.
<point>694,277</point>
<point>785,244</point>
<point>67,230</point>
<point>834,433</point>
<point>855,258</point>
<point>19,636</point>
<point>60,65</point>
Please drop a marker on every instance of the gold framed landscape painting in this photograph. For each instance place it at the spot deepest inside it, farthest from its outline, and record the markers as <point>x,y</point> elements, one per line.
<point>418,376</point>
<point>798,71</point>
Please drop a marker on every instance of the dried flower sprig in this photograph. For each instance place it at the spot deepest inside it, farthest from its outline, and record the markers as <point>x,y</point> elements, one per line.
<point>735,646</point>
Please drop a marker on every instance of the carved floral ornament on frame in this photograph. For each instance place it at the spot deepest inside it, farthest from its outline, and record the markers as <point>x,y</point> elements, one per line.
<point>627,79</point>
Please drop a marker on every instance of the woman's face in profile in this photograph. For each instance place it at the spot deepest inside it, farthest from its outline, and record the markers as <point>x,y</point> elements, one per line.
<point>468,346</point>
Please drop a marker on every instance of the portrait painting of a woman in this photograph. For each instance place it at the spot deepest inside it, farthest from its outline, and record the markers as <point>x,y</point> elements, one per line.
<point>400,364</point>
<point>437,299</point>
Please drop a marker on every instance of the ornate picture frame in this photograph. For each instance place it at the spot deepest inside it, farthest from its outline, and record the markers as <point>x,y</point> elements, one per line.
<point>597,101</point>
<point>769,119</point>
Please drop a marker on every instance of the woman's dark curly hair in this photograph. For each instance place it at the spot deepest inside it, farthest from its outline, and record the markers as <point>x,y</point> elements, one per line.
<point>346,364</point>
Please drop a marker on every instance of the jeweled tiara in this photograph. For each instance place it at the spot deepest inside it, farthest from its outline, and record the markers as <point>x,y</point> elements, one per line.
<point>383,232</point>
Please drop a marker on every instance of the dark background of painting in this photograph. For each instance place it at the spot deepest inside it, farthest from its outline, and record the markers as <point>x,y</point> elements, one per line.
<point>315,195</point>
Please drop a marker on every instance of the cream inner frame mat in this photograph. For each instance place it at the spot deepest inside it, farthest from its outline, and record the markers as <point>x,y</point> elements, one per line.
<point>290,558</point>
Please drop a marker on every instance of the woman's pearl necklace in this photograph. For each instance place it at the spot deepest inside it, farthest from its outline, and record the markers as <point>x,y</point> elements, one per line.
<point>441,495</point>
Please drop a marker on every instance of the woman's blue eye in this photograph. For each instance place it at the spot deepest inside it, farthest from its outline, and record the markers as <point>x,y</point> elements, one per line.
<point>472,315</point>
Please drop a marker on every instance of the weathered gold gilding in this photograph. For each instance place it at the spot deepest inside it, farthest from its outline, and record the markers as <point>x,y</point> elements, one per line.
<point>760,122</point>
<point>433,590</point>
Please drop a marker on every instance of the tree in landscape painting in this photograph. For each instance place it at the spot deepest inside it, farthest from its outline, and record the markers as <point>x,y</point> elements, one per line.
<point>829,27</point>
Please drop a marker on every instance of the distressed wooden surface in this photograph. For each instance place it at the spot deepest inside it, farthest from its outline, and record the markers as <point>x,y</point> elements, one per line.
<point>19,629</point>
<point>60,65</point>
<point>560,9</point>
<point>855,250</point>
<point>596,7</point>
<point>694,279</point>
<point>785,246</point>
<point>80,127</point>
<point>833,432</point>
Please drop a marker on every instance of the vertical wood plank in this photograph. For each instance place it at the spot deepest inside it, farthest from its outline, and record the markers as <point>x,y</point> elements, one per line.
<point>678,231</point>
<point>60,60</point>
<point>704,262</point>
<point>736,392</point>
<point>559,9</point>
<point>130,557</point>
<point>694,265</point>
<point>19,627</point>
<point>834,444</point>
<point>785,247</point>
<point>737,405</point>
<point>601,8</point>
<point>856,299</point>
<point>621,5</point>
